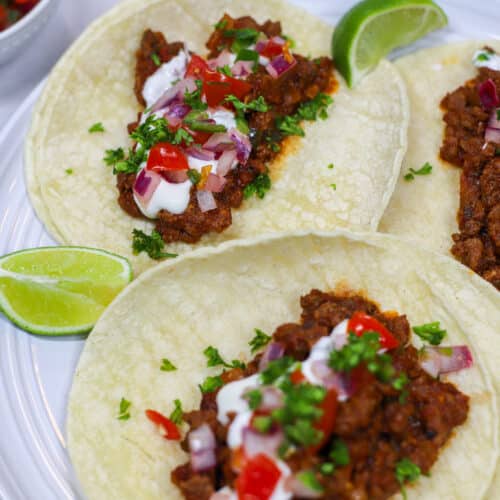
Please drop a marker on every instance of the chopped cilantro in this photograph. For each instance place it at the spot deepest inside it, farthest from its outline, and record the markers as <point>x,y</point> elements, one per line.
<point>193,99</point>
<point>247,34</point>
<point>431,332</point>
<point>333,186</point>
<point>327,468</point>
<point>315,108</point>
<point>259,187</point>
<point>210,384</point>
<point>310,481</point>
<point>176,415</point>
<point>262,423</point>
<point>403,397</point>
<point>400,382</point>
<point>275,147</point>
<point>339,453</point>
<point>498,114</point>
<point>260,340</point>
<point>156,59</point>
<point>221,24</point>
<point>215,359</point>
<point>194,176</point>
<point>247,55</point>
<point>113,156</point>
<point>199,121</point>
<point>289,125</point>
<point>330,166</point>
<point>483,56</point>
<point>124,409</point>
<point>254,398</point>
<point>97,127</point>
<point>275,369</point>
<point>167,365</point>
<point>406,470</point>
<point>153,245</point>
<point>426,169</point>
<point>69,171</point>
<point>182,136</point>
<point>242,124</point>
<point>258,104</point>
<point>225,70</point>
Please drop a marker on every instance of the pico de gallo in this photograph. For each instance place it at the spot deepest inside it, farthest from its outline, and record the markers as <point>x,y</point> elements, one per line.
<point>212,126</point>
<point>13,10</point>
<point>340,405</point>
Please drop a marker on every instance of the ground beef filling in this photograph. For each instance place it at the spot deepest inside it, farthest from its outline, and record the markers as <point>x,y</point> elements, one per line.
<point>300,84</point>
<point>477,245</point>
<point>378,427</point>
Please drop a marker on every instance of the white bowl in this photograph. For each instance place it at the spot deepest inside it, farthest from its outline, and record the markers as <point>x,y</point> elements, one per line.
<point>14,39</point>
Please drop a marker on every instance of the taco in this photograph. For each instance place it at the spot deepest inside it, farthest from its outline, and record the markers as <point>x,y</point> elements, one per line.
<point>455,129</point>
<point>338,429</point>
<point>249,171</point>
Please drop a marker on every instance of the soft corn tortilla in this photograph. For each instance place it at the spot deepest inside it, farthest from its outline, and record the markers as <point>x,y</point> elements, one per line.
<point>364,137</point>
<point>217,297</point>
<point>426,209</point>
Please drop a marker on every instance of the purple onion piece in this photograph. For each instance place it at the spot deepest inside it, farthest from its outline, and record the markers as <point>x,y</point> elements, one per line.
<point>142,183</point>
<point>492,135</point>
<point>243,145</point>
<point>488,94</point>
<point>436,360</point>
<point>255,443</point>
<point>219,142</point>
<point>206,200</point>
<point>274,350</point>
<point>279,65</point>
<point>202,448</point>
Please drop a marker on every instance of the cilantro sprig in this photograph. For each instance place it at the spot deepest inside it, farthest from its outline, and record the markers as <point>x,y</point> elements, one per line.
<point>96,127</point>
<point>215,359</point>
<point>406,470</point>
<point>124,413</point>
<point>430,332</point>
<point>260,340</point>
<point>258,187</point>
<point>167,365</point>
<point>210,384</point>
<point>425,169</point>
<point>176,415</point>
<point>153,245</point>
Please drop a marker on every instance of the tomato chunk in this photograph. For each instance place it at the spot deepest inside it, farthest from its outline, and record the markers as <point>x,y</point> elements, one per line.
<point>361,323</point>
<point>258,479</point>
<point>217,86</point>
<point>327,421</point>
<point>165,156</point>
<point>272,49</point>
<point>169,429</point>
<point>197,67</point>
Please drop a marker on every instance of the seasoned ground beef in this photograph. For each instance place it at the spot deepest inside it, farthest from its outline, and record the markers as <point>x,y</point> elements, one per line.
<point>300,84</point>
<point>378,426</point>
<point>477,245</point>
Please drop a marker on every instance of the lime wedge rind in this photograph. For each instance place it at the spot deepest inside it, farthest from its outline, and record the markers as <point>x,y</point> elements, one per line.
<point>372,29</point>
<point>59,305</point>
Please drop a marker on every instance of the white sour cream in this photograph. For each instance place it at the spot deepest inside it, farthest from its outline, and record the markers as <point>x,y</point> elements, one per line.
<point>163,78</point>
<point>223,117</point>
<point>168,196</point>
<point>230,397</point>
<point>235,431</point>
<point>196,164</point>
<point>485,59</point>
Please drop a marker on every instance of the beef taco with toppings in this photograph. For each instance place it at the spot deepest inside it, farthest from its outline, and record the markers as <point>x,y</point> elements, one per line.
<point>237,125</point>
<point>297,366</point>
<point>454,138</point>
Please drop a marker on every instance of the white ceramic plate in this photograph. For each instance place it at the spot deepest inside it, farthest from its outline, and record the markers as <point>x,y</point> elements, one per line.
<point>35,372</point>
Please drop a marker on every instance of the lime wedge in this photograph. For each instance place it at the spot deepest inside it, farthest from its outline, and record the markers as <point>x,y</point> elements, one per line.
<point>372,28</point>
<point>60,290</point>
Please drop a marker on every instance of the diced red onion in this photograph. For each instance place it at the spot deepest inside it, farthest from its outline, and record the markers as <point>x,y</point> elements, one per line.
<point>145,185</point>
<point>492,135</point>
<point>274,350</point>
<point>436,360</point>
<point>494,122</point>
<point>175,176</point>
<point>215,183</point>
<point>272,398</point>
<point>299,489</point>
<point>226,162</point>
<point>262,44</point>
<point>219,142</point>
<point>178,109</point>
<point>242,143</point>
<point>342,383</point>
<point>242,68</point>
<point>202,448</point>
<point>223,59</point>
<point>488,94</point>
<point>200,153</point>
<point>206,200</point>
<point>255,442</point>
<point>279,65</point>
<point>174,93</point>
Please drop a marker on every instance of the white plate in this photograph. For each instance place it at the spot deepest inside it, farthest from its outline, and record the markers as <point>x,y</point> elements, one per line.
<point>36,372</point>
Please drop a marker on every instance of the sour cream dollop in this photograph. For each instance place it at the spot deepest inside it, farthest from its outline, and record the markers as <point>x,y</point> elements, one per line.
<point>486,59</point>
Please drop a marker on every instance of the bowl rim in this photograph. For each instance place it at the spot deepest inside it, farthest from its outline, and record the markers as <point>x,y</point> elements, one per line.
<point>19,25</point>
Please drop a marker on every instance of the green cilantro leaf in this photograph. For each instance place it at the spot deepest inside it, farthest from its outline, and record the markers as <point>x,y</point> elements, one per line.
<point>315,108</point>
<point>275,369</point>
<point>194,176</point>
<point>262,423</point>
<point>113,156</point>
<point>339,453</point>
<point>176,415</point>
<point>406,470</point>
<point>225,70</point>
<point>193,99</point>
<point>260,340</point>
<point>327,468</point>
<point>430,332</point>
<point>221,24</point>
<point>210,384</point>
<point>400,382</point>
<point>426,169</point>
<point>124,409</point>
<point>289,125</point>
<point>330,166</point>
<point>310,481</point>
<point>69,171</point>
<point>254,398</point>
<point>153,245</point>
<point>259,187</point>
<point>156,59</point>
<point>244,34</point>
<point>97,127</point>
<point>258,104</point>
<point>215,359</point>
<point>247,55</point>
<point>167,365</point>
<point>333,186</point>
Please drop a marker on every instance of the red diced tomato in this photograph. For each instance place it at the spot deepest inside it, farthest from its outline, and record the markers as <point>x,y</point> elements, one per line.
<point>196,68</point>
<point>258,478</point>
<point>272,49</point>
<point>170,430</point>
<point>165,156</point>
<point>327,421</point>
<point>297,377</point>
<point>361,323</point>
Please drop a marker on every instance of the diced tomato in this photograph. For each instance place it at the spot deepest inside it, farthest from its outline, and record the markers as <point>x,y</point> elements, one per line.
<point>170,430</point>
<point>272,49</point>
<point>200,137</point>
<point>216,86</point>
<point>361,323</point>
<point>197,67</point>
<point>327,421</point>
<point>297,377</point>
<point>258,478</point>
<point>165,156</point>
